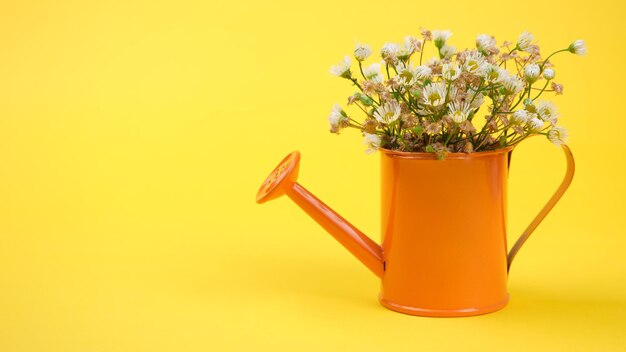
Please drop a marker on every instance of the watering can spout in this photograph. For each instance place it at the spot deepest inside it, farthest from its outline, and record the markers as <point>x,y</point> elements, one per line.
<point>282,181</point>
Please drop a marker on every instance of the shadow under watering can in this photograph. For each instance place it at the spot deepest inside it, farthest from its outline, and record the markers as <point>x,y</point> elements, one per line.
<point>444,250</point>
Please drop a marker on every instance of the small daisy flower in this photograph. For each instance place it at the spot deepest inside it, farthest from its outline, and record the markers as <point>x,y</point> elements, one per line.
<point>372,73</point>
<point>512,85</point>
<point>362,52</point>
<point>404,52</point>
<point>519,117</point>
<point>578,47</point>
<point>447,51</point>
<point>372,141</point>
<point>558,135</point>
<point>388,113</point>
<point>451,71</point>
<point>413,43</point>
<point>434,94</point>
<point>422,72</point>
<point>495,74</point>
<point>547,111</point>
<point>548,73</point>
<point>342,69</point>
<point>433,61</point>
<point>531,72</point>
<point>524,41</point>
<point>389,52</point>
<point>405,74</point>
<point>475,63</point>
<point>336,118</point>
<point>535,124</point>
<point>485,42</point>
<point>459,111</point>
<point>440,37</point>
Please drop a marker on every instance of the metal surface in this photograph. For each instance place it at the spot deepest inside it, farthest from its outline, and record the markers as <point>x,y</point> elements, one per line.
<point>443,227</point>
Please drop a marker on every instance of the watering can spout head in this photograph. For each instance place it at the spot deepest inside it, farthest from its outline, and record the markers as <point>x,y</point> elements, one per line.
<point>282,181</point>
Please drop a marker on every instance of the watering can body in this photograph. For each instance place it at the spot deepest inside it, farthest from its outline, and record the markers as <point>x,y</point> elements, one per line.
<point>443,233</point>
<point>443,248</point>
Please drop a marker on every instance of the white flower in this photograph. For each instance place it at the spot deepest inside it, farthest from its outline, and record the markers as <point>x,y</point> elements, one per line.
<point>372,73</point>
<point>578,47</point>
<point>453,94</point>
<point>447,51</point>
<point>475,63</point>
<point>450,71</point>
<point>434,94</point>
<point>336,117</point>
<point>535,124</point>
<point>459,111</point>
<point>512,85</point>
<point>422,72</point>
<point>558,135</point>
<point>495,74</point>
<point>433,61</point>
<point>485,42</point>
<point>547,111</point>
<point>411,75</point>
<point>388,112</point>
<point>531,72</point>
<point>440,37</point>
<point>405,74</point>
<point>342,69</point>
<point>362,52</point>
<point>412,44</point>
<point>389,52</point>
<point>519,117</point>
<point>372,141</point>
<point>524,41</point>
<point>548,73</point>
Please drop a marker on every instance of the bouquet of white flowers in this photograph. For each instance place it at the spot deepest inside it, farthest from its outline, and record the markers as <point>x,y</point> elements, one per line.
<point>432,106</point>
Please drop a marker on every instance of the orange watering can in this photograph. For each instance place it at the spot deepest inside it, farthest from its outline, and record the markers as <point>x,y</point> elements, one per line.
<point>444,250</point>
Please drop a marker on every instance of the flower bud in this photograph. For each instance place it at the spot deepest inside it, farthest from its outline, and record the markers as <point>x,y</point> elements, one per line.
<point>362,52</point>
<point>524,41</point>
<point>367,101</point>
<point>548,73</point>
<point>440,38</point>
<point>578,47</point>
<point>558,135</point>
<point>342,69</point>
<point>531,72</point>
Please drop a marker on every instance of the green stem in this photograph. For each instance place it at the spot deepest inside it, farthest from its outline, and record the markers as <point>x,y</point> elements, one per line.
<point>542,89</point>
<point>360,107</point>
<point>409,104</point>
<point>549,56</point>
<point>355,121</point>
<point>361,69</point>
<point>482,80</point>
<point>356,83</point>
<point>510,52</point>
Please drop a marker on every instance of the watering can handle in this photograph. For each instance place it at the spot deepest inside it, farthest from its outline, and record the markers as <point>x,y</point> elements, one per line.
<point>569,175</point>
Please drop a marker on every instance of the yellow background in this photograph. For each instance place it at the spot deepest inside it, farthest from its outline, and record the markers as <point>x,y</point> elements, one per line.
<point>134,135</point>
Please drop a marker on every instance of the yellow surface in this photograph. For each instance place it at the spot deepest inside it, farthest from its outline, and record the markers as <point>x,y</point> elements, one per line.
<point>134,135</point>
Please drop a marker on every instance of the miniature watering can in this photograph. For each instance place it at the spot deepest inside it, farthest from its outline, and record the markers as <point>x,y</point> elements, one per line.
<point>444,250</point>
